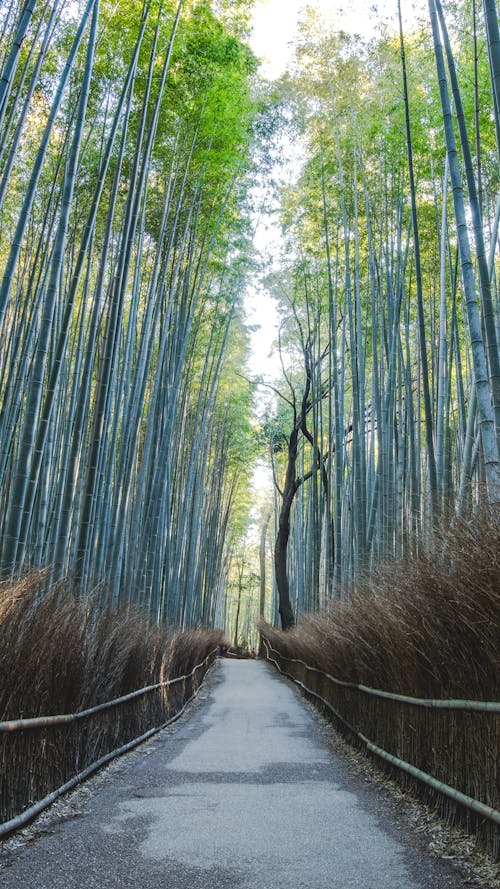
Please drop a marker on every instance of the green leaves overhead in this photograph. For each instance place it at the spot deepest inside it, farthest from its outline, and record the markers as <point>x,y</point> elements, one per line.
<point>384,267</point>
<point>122,438</point>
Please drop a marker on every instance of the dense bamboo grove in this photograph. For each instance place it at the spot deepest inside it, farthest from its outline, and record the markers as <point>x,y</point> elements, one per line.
<point>385,441</point>
<point>124,141</point>
<point>389,412</point>
<point>132,135</point>
<point>126,133</point>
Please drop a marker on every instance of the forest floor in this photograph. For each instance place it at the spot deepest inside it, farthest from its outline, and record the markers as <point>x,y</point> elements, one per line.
<point>250,789</point>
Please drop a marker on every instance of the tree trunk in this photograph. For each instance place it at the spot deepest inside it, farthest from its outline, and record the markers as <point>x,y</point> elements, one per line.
<point>281,545</point>
<point>262,559</point>
<point>280,567</point>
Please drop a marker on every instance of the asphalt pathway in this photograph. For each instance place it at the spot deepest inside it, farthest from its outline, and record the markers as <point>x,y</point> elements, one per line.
<point>243,792</point>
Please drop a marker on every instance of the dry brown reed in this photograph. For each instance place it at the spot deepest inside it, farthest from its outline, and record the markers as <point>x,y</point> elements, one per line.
<point>62,654</point>
<point>426,628</point>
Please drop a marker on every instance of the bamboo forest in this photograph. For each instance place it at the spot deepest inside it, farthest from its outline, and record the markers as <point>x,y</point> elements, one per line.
<point>138,145</point>
<point>250,395</point>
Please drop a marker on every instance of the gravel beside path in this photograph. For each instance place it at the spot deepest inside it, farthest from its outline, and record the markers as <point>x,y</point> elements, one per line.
<point>243,792</point>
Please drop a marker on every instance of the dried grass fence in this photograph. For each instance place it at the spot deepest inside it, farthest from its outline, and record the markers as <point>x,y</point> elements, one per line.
<point>409,667</point>
<point>431,743</point>
<point>70,702</point>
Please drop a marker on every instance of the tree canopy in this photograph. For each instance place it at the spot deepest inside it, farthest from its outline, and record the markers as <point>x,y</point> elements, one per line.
<point>132,136</point>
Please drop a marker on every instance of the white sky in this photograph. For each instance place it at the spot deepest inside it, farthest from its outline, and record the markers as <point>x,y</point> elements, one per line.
<point>275,23</point>
<point>275,26</point>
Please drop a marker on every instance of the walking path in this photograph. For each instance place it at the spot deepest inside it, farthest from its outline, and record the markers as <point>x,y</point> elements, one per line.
<point>243,792</point>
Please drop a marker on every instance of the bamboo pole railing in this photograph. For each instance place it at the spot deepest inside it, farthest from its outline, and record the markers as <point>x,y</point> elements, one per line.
<point>44,722</point>
<point>433,703</point>
<point>491,707</point>
<point>14,725</point>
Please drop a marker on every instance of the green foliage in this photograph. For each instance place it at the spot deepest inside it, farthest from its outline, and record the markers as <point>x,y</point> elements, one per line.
<point>144,442</point>
<point>348,287</point>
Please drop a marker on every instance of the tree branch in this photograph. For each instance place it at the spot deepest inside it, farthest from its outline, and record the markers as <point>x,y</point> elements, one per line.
<point>268,386</point>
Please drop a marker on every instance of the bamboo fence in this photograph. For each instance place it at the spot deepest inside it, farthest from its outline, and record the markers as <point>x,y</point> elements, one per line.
<point>445,749</point>
<point>42,758</point>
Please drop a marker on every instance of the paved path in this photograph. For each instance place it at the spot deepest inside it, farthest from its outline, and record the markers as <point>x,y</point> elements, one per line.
<point>243,792</point>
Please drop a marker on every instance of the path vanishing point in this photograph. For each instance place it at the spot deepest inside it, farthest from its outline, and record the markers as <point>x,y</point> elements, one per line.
<point>245,791</point>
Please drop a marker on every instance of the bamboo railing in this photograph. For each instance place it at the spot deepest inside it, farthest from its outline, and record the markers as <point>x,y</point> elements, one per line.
<point>447,747</point>
<point>44,757</point>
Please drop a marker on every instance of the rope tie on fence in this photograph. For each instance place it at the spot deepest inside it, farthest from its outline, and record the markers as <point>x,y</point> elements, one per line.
<point>445,789</point>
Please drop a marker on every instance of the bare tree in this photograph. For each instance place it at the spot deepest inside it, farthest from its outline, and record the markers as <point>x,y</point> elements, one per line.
<point>301,406</point>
